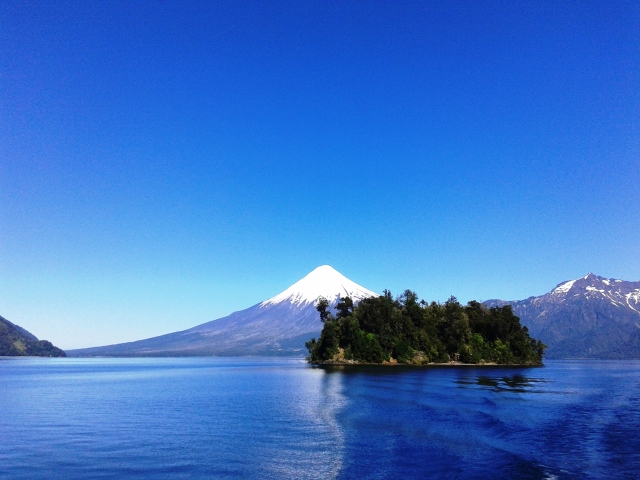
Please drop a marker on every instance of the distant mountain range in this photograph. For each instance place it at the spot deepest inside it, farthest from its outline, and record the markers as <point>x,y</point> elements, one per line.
<point>278,326</point>
<point>591,317</point>
<point>16,341</point>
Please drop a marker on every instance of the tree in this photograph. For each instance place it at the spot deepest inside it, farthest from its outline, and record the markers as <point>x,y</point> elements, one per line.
<point>344,307</point>
<point>408,298</point>
<point>323,308</point>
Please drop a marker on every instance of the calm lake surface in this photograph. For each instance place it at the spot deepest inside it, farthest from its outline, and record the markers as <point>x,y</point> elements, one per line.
<point>280,418</point>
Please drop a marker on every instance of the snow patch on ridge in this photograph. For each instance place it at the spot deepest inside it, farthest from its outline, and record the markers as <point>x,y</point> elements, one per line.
<point>564,287</point>
<point>325,282</point>
<point>635,296</point>
<point>593,289</point>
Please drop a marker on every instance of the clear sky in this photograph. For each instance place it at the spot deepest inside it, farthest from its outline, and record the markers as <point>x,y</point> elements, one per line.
<point>163,164</point>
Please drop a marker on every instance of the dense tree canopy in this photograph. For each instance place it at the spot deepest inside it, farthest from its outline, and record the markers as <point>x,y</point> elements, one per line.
<point>406,330</point>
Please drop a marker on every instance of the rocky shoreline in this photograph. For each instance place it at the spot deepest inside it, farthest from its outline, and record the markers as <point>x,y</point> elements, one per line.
<point>418,360</point>
<point>395,363</point>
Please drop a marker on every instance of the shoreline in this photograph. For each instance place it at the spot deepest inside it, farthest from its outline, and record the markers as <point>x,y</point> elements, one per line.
<point>430,364</point>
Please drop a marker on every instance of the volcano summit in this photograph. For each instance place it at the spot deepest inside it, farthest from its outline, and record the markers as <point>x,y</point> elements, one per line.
<point>278,326</point>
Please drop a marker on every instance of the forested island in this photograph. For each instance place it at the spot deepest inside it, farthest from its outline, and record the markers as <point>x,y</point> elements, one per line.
<point>384,330</point>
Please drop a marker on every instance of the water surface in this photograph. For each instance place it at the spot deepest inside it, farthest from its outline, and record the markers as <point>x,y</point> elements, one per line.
<point>280,418</point>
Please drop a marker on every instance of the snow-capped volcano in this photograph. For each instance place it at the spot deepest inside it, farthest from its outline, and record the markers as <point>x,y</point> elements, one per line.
<point>324,282</point>
<point>278,326</point>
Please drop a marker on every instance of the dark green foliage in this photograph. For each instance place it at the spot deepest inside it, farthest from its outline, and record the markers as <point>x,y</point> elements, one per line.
<point>15,341</point>
<point>412,331</point>
<point>344,307</point>
<point>402,351</point>
<point>44,348</point>
<point>323,310</point>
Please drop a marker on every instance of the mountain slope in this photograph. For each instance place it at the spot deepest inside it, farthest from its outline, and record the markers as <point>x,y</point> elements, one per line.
<point>16,341</point>
<point>278,326</point>
<point>590,317</point>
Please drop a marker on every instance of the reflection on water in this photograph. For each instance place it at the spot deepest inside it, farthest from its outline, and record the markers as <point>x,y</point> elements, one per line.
<point>517,383</point>
<point>332,401</point>
<point>565,420</point>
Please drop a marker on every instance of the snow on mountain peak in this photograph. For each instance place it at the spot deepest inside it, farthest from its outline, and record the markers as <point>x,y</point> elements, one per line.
<point>618,293</point>
<point>588,280</point>
<point>325,282</point>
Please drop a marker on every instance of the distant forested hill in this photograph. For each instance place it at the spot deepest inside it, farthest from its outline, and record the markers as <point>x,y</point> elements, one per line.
<point>16,341</point>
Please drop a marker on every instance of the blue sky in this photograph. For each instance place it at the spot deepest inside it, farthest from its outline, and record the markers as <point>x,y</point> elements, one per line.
<point>163,164</point>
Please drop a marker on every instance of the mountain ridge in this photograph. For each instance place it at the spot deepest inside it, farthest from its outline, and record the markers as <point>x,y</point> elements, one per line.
<point>588,317</point>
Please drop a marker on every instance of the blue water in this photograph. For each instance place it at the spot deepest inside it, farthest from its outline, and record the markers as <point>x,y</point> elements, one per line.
<point>280,418</point>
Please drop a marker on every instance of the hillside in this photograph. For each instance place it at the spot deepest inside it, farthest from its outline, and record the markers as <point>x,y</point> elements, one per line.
<point>16,341</point>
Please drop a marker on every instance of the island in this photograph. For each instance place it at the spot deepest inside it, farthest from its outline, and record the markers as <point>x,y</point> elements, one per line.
<point>404,330</point>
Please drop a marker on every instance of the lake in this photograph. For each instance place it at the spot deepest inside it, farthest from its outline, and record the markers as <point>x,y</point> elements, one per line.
<point>191,418</point>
